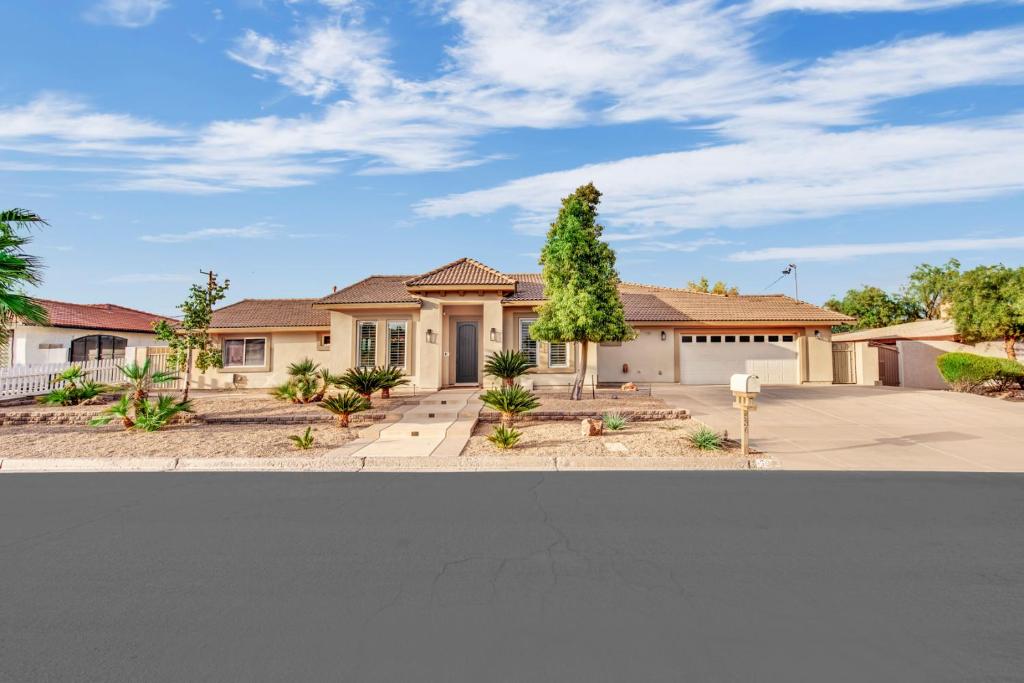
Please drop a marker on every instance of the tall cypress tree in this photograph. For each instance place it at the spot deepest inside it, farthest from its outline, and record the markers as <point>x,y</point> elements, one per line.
<point>580,283</point>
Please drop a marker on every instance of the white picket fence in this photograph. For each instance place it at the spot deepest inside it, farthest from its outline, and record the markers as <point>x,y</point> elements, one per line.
<point>34,380</point>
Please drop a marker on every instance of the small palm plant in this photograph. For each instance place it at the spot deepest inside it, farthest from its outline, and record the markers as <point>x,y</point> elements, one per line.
<point>510,401</point>
<point>303,441</point>
<point>345,405</point>
<point>614,422</point>
<point>121,410</point>
<point>505,437</point>
<point>363,381</point>
<point>75,389</point>
<point>286,392</point>
<point>705,439</point>
<point>390,377</point>
<point>156,415</point>
<point>307,383</point>
<point>141,381</point>
<point>508,366</point>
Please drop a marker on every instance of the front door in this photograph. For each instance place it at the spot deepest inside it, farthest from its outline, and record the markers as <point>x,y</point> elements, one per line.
<point>466,371</point>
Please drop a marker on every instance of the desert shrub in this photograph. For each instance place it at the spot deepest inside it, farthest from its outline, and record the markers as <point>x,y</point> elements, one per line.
<point>363,381</point>
<point>307,383</point>
<point>76,389</point>
<point>970,372</point>
<point>389,378</point>
<point>147,415</point>
<point>614,421</point>
<point>705,439</point>
<point>505,437</point>
<point>510,401</point>
<point>303,441</point>
<point>344,405</point>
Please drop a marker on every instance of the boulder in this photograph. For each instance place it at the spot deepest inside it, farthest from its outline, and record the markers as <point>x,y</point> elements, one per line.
<point>628,386</point>
<point>591,427</point>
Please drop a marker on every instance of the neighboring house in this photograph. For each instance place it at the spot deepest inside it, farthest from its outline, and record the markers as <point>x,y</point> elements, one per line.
<point>80,332</point>
<point>441,325</point>
<point>902,355</point>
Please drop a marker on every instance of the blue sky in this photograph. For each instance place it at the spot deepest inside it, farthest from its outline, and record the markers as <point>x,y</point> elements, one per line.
<point>292,146</point>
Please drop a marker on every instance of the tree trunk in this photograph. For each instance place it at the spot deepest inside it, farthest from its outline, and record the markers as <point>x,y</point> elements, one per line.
<point>343,420</point>
<point>127,423</point>
<point>188,374</point>
<point>1010,344</point>
<point>507,420</point>
<point>581,372</point>
<point>385,393</point>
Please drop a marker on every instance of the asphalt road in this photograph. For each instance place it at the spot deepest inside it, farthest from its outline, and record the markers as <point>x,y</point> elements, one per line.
<point>512,577</point>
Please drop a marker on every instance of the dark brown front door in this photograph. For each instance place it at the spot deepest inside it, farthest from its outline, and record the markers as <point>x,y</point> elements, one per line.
<point>889,366</point>
<point>466,358</point>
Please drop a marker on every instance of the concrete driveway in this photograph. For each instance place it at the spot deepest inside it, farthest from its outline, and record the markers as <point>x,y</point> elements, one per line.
<point>869,428</point>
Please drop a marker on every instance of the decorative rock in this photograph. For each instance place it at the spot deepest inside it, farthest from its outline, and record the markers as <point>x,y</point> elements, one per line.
<point>628,386</point>
<point>591,427</point>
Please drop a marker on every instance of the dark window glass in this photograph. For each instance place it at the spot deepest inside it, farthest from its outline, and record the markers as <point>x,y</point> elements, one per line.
<point>254,351</point>
<point>234,350</point>
<point>744,338</point>
<point>701,339</point>
<point>773,338</point>
<point>686,339</point>
<point>716,338</point>
<point>97,347</point>
<point>730,338</point>
<point>759,337</point>
<point>787,337</point>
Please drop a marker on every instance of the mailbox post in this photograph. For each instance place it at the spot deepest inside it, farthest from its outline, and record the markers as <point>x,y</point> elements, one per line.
<point>745,389</point>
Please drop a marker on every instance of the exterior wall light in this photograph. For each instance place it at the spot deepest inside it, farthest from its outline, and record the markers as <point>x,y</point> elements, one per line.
<point>494,334</point>
<point>431,336</point>
<point>664,335</point>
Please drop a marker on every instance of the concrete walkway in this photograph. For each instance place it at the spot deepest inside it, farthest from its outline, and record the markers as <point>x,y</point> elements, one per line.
<point>869,428</point>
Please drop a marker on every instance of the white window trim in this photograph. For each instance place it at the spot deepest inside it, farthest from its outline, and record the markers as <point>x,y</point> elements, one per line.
<point>536,346</point>
<point>405,344</point>
<point>245,341</point>
<point>321,345</point>
<point>359,339</point>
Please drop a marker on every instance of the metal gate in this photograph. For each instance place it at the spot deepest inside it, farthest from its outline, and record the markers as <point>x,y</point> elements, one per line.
<point>889,366</point>
<point>844,370</point>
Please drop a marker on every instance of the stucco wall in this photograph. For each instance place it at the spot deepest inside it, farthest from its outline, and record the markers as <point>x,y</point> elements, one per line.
<point>817,351</point>
<point>283,348</point>
<point>650,359</point>
<point>27,338</point>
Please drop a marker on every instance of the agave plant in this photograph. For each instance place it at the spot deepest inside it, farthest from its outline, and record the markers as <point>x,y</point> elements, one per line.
<point>510,401</point>
<point>504,437</point>
<point>508,366</point>
<point>389,378</point>
<point>614,421</point>
<point>141,381</point>
<point>363,381</point>
<point>705,439</point>
<point>344,405</point>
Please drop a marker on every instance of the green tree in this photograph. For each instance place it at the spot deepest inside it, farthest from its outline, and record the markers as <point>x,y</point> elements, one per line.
<point>580,282</point>
<point>704,286</point>
<point>932,287</point>
<point>18,269</point>
<point>874,307</point>
<point>989,304</point>
<point>190,342</point>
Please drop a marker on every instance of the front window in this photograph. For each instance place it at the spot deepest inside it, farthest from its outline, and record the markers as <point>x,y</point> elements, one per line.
<point>241,353</point>
<point>367,339</point>
<point>527,344</point>
<point>97,347</point>
<point>397,330</point>
<point>558,355</point>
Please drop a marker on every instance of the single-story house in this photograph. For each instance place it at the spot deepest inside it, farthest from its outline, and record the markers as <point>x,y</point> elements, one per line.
<point>902,355</point>
<point>79,332</point>
<point>442,324</point>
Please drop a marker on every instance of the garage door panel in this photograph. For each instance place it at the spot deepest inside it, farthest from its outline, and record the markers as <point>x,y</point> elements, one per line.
<point>714,362</point>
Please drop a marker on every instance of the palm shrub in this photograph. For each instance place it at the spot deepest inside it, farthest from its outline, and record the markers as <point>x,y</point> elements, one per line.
<point>705,439</point>
<point>510,401</point>
<point>389,378</point>
<point>303,441</point>
<point>155,415</point>
<point>363,381</point>
<point>18,269</point>
<point>307,383</point>
<point>345,405</point>
<point>141,379</point>
<point>505,437</point>
<point>121,410</point>
<point>614,421</point>
<point>75,389</point>
<point>508,366</point>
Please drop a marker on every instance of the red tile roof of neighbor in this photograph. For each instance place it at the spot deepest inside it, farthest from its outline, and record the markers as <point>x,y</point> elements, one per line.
<point>643,303</point>
<point>249,313</point>
<point>99,316</point>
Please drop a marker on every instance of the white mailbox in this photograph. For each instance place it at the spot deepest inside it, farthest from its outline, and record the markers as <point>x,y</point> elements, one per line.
<point>745,384</point>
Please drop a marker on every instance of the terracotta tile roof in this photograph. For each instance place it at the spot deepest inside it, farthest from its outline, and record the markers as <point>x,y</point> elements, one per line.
<point>464,271</point>
<point>649,303</point>
<point>271,313</point>
<point>99,316</point>
<point>376,289</point>
<point>529,287</point>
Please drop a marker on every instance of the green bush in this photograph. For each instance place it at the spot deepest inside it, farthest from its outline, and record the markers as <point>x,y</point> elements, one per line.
<point>705,439</point>
<point>507,366</point>
<point>363,381</point>
<point>505,437</point>
<point>76,388</point>
<point>970,372</point>
<point>510,401</point>
<point>303,441</point>
<point>614,422</point>
<point>345,405</point>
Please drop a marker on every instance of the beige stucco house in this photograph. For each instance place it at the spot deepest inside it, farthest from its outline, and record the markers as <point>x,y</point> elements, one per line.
<point>441,325</point>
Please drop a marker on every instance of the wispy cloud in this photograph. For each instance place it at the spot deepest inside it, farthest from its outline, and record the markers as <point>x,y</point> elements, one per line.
<point>126,13</point>
<point>838,252</point>
<point>142,278</point>
<point>760,7</point>
<point>259,231</point>
<point>686,247</point>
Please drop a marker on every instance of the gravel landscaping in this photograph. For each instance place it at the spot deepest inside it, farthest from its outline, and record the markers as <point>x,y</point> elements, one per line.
<point>647,439</point>
<point>185,440</point>
<point>606,401</point>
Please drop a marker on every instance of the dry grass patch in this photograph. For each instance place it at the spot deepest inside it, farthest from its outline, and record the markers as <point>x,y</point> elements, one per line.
<point>645,439</point>
<point>183,440</point>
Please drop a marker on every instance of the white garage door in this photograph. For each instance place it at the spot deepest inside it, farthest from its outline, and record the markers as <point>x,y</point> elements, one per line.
<point>713,358</point>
